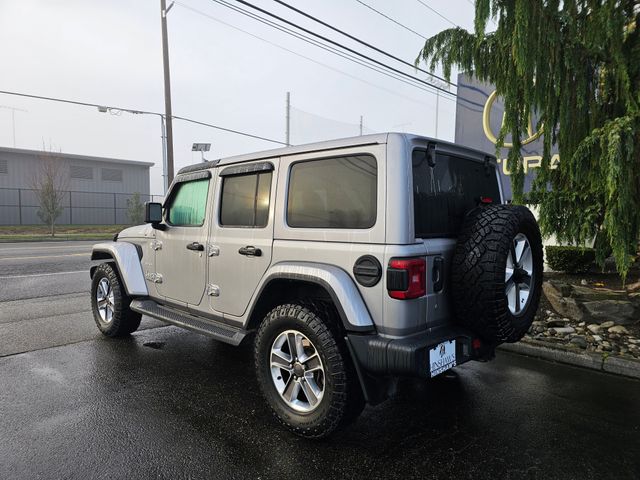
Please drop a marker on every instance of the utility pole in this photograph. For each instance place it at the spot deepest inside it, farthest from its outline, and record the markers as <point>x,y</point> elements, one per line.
<point>360,125</point>
<point>288,120</point>
<point>167,89</point>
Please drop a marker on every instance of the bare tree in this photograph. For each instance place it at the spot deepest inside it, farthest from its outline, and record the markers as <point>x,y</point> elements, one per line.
<point>50,183</point>
<point>135,209</point>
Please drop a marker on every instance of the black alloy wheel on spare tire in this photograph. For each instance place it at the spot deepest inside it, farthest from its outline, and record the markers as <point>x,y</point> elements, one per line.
<point>497,272</point>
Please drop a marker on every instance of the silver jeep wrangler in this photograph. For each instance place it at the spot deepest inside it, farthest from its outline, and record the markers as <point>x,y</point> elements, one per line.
<point>348,263</point>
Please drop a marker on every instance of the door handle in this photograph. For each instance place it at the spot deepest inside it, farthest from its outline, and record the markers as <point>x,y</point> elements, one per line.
<point>250,251</point>
<point>198,247</point>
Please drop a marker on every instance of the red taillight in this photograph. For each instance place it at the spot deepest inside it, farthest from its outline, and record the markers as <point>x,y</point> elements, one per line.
<point>407,278</point>
<point>476,344</point>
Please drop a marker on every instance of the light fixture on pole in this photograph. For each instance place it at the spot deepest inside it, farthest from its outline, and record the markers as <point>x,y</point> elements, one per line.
<point>13,119</point>
<point>441,85</point>
<point>201,147</point>
<point>163,136</point>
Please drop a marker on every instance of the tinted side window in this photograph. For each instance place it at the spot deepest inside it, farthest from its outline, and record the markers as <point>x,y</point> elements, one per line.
<point>444,193</point>
<point>336,192</point>
<point>189,203</point>
<point>245,200</point>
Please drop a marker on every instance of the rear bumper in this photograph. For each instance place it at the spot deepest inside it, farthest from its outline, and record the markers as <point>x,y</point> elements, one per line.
<point>409,356</point>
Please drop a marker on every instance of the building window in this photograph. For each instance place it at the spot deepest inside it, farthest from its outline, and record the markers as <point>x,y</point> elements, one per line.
<point>111,175</point>
<point>189,204</point>
<point>245,200</point>
<point>4,167</point>
<point>336,192</point>
<point>81,172</point>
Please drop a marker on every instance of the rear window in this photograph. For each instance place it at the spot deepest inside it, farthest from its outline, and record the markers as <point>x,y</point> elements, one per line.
<point>444,193</point>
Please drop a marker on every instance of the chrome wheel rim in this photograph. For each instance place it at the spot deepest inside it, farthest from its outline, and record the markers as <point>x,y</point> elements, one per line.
<point>519,274</point>
<point>105,300</point>
<point>297,371</point>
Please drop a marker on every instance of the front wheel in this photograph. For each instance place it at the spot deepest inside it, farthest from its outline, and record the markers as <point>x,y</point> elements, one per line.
<point>304,370</point>
<point>110,303</point>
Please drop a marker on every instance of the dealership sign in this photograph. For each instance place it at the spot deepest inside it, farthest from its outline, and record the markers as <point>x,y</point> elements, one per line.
<point>479,117</point>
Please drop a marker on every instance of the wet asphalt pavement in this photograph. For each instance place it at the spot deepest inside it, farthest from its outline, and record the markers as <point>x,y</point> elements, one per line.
<point>44,295</point>
<point>166,403</point>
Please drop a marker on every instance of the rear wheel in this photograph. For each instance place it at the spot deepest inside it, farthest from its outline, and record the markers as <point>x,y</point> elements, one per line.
<point>110,303</point>
<point>304,370</point>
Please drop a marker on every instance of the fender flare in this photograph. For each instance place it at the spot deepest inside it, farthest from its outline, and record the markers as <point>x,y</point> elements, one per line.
<point>125,256</point>
<point>338,284</point>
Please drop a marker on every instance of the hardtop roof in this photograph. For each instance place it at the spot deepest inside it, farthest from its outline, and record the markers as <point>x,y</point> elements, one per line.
<point>373,139</point>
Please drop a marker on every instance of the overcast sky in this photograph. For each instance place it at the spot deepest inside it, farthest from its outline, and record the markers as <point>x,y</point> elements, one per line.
<point>109,52</point>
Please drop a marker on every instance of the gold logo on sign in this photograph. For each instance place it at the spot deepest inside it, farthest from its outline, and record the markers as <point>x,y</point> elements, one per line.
<point>486,124</point>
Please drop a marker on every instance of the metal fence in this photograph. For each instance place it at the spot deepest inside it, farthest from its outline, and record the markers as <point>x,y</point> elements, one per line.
<point>19,206</point>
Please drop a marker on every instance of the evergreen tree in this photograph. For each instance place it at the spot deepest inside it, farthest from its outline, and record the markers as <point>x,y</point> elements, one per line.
<point>576,63</point>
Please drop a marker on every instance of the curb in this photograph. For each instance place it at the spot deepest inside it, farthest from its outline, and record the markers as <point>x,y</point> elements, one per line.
<point>593,361</point>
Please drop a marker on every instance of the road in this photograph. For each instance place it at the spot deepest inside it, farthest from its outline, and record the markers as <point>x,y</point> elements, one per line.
<point>167,403</point>
<point>44,295</point>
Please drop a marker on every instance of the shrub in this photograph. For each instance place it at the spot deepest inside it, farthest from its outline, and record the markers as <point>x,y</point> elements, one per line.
<point>570,259</point>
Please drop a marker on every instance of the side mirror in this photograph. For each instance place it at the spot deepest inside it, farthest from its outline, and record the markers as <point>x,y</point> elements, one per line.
<point>152,213</point>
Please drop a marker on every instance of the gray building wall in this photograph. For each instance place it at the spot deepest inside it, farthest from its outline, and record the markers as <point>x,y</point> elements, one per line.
<point>99,197</point>
<point>471,103</point>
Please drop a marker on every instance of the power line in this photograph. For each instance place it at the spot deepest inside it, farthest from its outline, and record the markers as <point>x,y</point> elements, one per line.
<point>344,47</point>
<point>321,45</point>
<point>437,13</point>
<point>134,111</point>
<point>392,92</point>
<point>356,39</point>
<point>410,81</point>
<point>391,19</point>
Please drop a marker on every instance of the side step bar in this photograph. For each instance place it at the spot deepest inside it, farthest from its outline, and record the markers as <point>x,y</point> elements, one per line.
<point>219,331</point>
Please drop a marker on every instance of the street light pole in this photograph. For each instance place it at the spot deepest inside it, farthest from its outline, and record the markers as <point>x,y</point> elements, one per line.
<point>168,124</point>
<point>163,136</point>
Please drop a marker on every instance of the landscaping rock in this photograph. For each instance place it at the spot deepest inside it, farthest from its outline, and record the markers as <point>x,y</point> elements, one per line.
<point>593,328</point>
<point>607,324</point>
<point>579,341</point>
<point>624,312</point>
<point>633,287</point>
<point>557,322</point>
<point>619,329</point>
<point>597,338</point>
<point>581,303</point>
<point>558,296</point>
<point>561,330</point>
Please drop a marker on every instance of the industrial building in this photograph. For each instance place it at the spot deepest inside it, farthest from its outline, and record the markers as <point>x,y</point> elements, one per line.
<point>97,188</point>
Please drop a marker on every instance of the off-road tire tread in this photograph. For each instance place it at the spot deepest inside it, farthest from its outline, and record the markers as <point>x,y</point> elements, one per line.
<point>478,272</point>
<point>347,399</point>
<point>125,321</point>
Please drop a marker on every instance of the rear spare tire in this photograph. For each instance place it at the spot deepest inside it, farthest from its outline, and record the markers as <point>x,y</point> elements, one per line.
<point>497,272</point>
